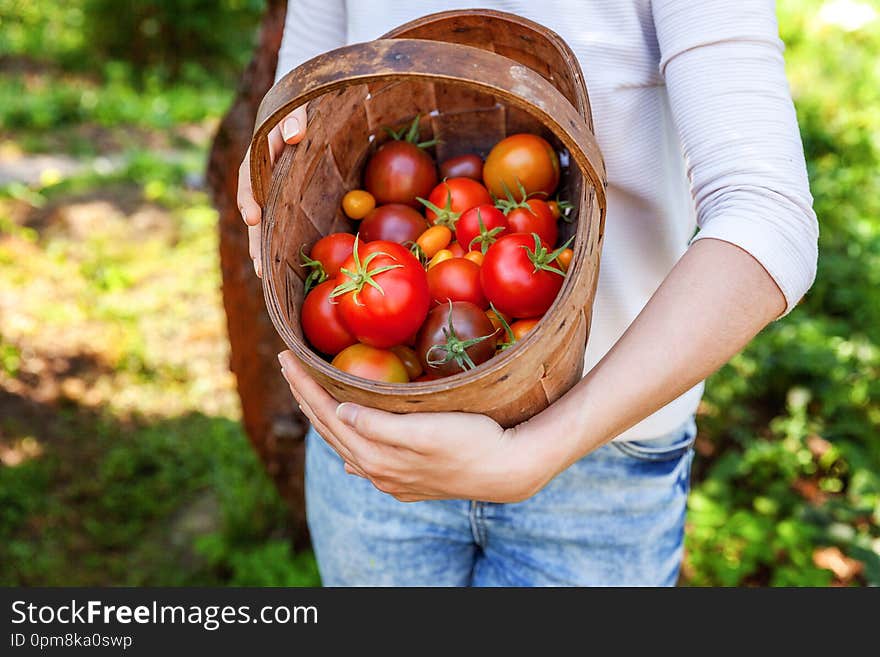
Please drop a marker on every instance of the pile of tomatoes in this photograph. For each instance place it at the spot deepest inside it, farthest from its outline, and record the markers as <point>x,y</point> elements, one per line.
<point>445,270</point>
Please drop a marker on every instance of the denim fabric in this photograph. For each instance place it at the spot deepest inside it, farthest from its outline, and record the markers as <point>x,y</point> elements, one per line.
<point>614,518</point>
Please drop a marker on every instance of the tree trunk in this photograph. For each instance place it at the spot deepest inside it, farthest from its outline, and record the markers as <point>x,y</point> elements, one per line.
<point>271,421</point>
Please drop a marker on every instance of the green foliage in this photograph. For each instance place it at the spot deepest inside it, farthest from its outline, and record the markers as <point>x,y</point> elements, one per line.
<point>792,423</point>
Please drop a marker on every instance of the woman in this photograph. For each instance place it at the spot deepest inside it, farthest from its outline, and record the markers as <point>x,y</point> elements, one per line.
<point>696,123</point>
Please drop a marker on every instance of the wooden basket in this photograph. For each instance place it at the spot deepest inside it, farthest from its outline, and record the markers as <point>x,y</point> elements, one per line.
<point>474,77</point>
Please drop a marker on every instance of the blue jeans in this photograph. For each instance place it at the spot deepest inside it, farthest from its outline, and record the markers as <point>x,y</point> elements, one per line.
<point>614,518</point>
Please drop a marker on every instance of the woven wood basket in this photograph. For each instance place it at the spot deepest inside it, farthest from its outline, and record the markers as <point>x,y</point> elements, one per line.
<point>474,77</point>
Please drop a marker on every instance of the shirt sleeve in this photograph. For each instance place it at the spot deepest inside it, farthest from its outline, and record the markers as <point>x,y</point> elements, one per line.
<point>725,75</point>
<point>311,27</point>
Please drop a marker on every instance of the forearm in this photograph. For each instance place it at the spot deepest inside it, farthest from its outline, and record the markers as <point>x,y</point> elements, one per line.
<point>714,301</point>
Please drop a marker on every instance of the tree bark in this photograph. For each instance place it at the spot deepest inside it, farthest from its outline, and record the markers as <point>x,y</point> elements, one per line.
<point>271,421</point>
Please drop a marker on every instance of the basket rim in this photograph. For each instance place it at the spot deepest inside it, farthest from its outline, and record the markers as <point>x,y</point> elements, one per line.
<point>586,209</point>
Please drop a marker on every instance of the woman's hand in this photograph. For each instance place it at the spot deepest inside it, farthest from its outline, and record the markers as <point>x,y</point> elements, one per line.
<point>424,456</point>
<point>290,130</point>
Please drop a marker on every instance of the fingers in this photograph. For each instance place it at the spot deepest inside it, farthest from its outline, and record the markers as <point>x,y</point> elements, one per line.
<point>409,431</point>
<point>293,126</point>
<point>254,249</point>
<point>250,210</point>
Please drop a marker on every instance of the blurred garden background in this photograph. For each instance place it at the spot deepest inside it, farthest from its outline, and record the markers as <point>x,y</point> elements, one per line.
<point>122,457</point>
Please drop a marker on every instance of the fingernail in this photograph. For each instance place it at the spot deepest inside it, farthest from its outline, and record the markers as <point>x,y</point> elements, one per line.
<point>289,128</point>
<point>347,412</point>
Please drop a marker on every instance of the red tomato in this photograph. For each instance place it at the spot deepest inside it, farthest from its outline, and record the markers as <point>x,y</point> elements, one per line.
<point>399,172</point>
<point>531,216</point>
<point>327,257</point>
<point>451,198</point>
<point>384,298</point>
<point>479,227</point>
<point>463,166</point>
<point>457,250</point>
<point>321,322</point>
<point>454,338</point>
<point>370,363</point>
<point>522,159</point>
<point>456,279</point>
<point>519,275</point>
<point>394,222</point>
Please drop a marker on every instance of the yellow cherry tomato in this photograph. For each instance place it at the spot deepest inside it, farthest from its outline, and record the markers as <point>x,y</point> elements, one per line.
<point>474,256</point>
<point>435,239</point>
<point>564,259</point>
<point>440,256</point>
<point>357,204</point>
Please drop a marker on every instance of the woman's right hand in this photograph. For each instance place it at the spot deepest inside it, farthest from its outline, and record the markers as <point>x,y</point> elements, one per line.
<point>290,130</point>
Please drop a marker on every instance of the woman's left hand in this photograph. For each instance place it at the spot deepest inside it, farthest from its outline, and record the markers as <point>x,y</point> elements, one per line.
<point>423,456</point>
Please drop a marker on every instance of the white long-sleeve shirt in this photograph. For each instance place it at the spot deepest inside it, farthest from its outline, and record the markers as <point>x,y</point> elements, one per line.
<point>695,120</point>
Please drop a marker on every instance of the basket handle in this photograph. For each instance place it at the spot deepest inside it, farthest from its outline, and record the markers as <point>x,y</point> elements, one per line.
<point>420,59</point>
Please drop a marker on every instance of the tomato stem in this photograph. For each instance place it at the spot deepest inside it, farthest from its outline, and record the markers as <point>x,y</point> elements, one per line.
<point>411,134</point>
<point>362,275</point>
<point>511,339</point>
<point>509,204</point>
<point>455,348</point>
<point>541,257</point>
<point>317,275</point>
<point>486,238</point>
<point>443,216</point>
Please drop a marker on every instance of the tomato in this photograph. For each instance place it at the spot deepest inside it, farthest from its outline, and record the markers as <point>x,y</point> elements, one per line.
<point>321,322</point>
<point>371,363</point>
<point>522,326</point>
<point>456,279</point>
<point>564,259</point>
<point>479,227</point>
<point>357,204</point>
<point>394,222</point>
<point>383,295</point>
<point>457,250</point>
<point>451,198</point>
<point>327,257</point>
<point>400,171</point>
<point>410,360</point>
<point>475,257</point>
<point>522,159</point>
<point>433,240</point>
<point>455,337</point>
<point>441,256</point>
<point>519,275</point>
<point>554,209</point>
<point>504,336</point>
<point>531,216</point>
<point>463,166</point>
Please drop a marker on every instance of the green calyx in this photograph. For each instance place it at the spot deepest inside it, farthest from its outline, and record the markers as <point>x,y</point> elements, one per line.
<point>445,216</point>
<point>541,257</point>
<point>411,134</point>
<point>508,204</point>
<point>486,238</point>
<point>565,209</point>
<point>317,275</point>
<point>511,340</point>
<point>454,349</point>
<point>362,275</point>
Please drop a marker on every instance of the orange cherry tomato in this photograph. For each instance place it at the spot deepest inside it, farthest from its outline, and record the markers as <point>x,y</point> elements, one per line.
<point>440,256</point>
<point>521,327</point>
<point>457,249</point>
<point>371,363</point>
<point>410,361</point>
<point>474,256</point>
<point>435,239</point>
<point>521,159</point>
<point>357,204</point>
<point>564,259</point>
<point>554,209</point>
<point>500,332</point>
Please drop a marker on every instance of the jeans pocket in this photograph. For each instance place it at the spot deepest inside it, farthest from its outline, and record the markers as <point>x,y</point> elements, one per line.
<point>669,447</point>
